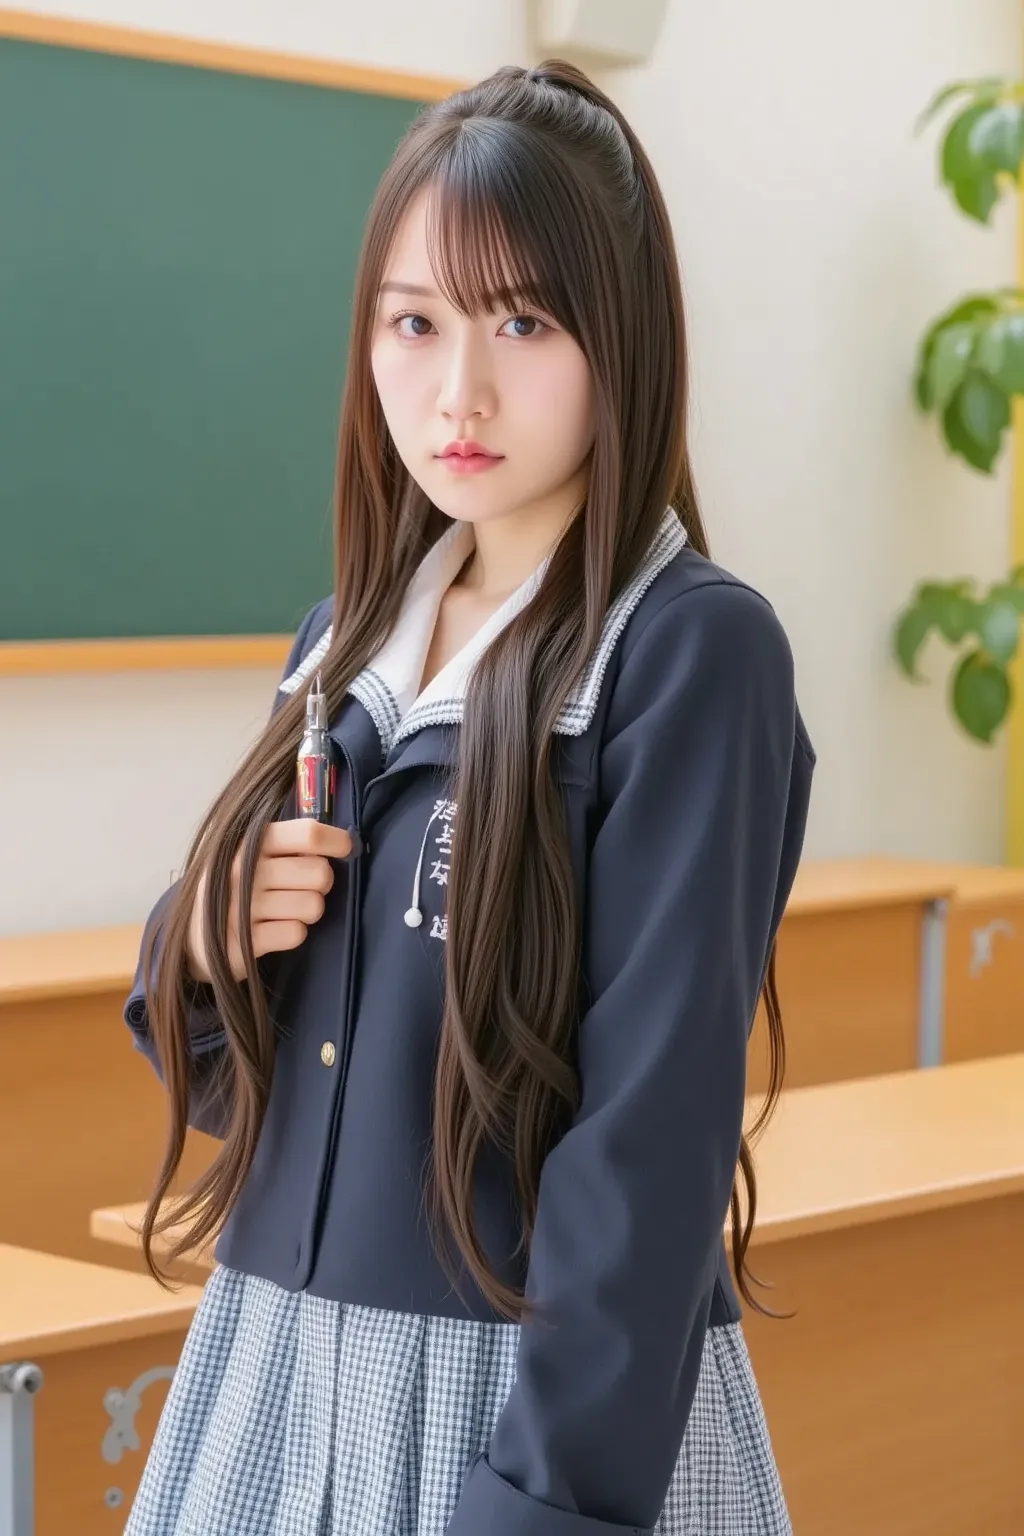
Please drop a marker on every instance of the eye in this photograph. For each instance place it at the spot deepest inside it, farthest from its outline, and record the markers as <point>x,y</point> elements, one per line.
<point>529,320</point>
<point>395,324</point>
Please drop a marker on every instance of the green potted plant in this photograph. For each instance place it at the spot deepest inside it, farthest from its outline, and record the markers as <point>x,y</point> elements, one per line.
<point>970,366</point>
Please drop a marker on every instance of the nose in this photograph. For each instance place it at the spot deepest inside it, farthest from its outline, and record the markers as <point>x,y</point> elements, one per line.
<point>467,382</point>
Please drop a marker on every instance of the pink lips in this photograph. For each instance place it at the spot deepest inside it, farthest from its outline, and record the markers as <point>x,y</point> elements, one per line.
<point>466,457</point>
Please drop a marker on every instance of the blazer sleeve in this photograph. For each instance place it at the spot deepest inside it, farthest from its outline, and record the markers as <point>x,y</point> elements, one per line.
<point>206,1035</point>
<point>705,778</point>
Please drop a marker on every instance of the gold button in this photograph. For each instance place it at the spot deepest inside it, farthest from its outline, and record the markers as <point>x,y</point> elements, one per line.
<point>327,1053</point>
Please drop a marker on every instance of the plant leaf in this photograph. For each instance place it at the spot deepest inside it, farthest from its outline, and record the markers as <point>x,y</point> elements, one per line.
<point>999,629</point>
<point>974,420</point>
<point>948,363</point>
<point>981,695</point>
<point>954,614</point>
<point>960,441</point>
<point>977,197</point>
<point>921,395</point>
<point>1000,352</point>
<point>1011,374</point>
<point>984,409</point>
<point>1007,592</point>
<point>973,307</point>
<point>912,629</point>
<point>996,138</point>
<point>957,160</point>
<point>935,605</point>
<point>990,348</point>
<point>987,88</point>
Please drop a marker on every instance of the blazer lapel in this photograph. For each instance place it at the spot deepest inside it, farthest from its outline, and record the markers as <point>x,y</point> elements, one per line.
<point>385,686</point>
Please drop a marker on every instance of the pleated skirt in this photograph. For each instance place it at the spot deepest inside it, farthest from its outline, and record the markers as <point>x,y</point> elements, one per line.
<point>293,1415</point>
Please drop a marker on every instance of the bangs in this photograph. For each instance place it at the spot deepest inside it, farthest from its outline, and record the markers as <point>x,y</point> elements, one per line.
<point>490,239</point>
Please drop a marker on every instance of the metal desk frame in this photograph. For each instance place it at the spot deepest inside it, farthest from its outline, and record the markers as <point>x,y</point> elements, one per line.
<point>19,1382</point>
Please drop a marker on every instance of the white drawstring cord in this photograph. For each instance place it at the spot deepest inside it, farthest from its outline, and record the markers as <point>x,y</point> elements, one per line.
<point>414,916</point>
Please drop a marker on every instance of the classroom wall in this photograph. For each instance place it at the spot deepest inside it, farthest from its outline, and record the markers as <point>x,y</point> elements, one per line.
<point>815,248</point>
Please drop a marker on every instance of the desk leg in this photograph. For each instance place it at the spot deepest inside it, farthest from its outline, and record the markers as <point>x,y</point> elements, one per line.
<point>18,1385</point>
<point>932,1006</point>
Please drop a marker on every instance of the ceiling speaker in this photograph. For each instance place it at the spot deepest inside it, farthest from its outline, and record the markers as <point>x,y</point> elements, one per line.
<point>606,31</point>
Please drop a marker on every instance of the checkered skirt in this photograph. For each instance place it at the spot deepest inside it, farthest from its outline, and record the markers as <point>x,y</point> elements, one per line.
<point>293,1415</point>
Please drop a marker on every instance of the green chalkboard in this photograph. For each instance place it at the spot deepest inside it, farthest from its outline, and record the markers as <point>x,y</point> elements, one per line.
<point>177,255</point>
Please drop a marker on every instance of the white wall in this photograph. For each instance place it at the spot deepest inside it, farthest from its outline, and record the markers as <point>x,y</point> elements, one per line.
<point>816,247</point>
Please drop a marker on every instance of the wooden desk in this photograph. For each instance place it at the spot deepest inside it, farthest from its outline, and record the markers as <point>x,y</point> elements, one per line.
<point>83,1114</point>
<point>84,962</point>
<point>892,1222</point>
<point>860,971</point>
<point>92,1330</point>
<point>891,1219</point>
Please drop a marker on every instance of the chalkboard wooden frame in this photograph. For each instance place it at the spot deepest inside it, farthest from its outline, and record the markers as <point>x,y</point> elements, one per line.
<point>165,48</point>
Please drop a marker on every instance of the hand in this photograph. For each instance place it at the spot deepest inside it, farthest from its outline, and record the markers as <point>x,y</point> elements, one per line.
<point>293,876</point>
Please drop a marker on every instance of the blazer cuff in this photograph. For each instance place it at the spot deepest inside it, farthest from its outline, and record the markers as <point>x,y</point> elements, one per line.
<point>205,1028</point>
<point>488,1503</point>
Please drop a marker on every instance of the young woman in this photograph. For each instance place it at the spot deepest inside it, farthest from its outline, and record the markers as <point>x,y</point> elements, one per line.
<point>476,1052</point>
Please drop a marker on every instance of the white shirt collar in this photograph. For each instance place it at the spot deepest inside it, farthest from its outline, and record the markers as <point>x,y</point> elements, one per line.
<point>399,662</point>
<point>386,685</point>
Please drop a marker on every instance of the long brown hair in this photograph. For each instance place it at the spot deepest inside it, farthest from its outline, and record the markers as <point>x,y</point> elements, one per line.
<point>538,188</point>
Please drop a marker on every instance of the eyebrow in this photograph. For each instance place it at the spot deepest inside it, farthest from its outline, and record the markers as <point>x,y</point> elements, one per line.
<point>414,288</point>
<point>506,295</point>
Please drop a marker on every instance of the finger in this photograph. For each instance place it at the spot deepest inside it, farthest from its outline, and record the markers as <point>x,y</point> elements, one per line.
<point>295,872</point>
<point>283,906</point>
<point>304,835</point>
<point>268,938</point>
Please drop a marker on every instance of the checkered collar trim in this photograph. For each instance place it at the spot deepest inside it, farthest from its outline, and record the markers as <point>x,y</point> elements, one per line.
<point>385,685</point>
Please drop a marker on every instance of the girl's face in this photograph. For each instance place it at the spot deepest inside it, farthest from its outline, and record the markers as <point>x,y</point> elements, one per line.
<point>511,381</point>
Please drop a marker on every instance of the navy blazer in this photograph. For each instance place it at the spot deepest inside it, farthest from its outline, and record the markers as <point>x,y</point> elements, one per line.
<point>685,770</point>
